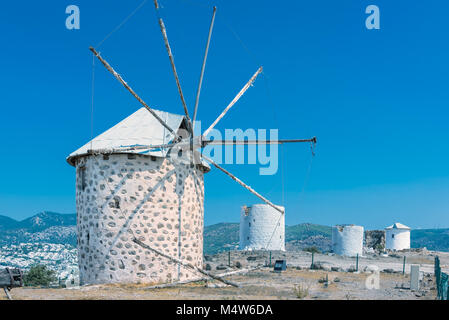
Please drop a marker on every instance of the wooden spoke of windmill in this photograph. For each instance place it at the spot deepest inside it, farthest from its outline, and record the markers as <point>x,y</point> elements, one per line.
<point>255,142</point>
<point>191,142</point>
<point>237,97</point>
<point>197,99</point>
<point>125,84</point>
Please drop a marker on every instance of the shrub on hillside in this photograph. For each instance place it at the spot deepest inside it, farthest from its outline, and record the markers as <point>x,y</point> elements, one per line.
<point>39,275</point>
<point>312,249</point>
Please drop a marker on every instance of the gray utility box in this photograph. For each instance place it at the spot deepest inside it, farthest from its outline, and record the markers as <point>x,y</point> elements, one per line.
<point>280,265</point>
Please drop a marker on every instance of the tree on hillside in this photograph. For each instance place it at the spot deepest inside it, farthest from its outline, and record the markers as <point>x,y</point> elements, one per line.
<point>312,249</point>
<point>39,275</point>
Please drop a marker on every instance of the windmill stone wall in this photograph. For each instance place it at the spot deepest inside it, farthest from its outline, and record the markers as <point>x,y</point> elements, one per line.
<point>121,196</point>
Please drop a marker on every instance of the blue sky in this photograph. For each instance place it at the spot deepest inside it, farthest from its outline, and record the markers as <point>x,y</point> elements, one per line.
<point>377,100</point>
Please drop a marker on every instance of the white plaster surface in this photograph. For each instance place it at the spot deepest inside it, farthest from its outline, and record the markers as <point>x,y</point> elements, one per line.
<point>262,227</point>
<point>347,240</point>
<point>397,239</point>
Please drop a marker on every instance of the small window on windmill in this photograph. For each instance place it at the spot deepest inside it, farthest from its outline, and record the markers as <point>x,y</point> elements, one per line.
<point>153,158</point>
<point>82,177</point>
<point>105,157</point>
<point>392,235</point>
<point>131,156</point>
<point>117,202</point>
<point>250,224</point>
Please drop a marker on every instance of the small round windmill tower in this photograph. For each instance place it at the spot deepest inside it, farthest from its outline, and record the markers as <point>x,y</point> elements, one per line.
<point>262,228</point>
<point>347,240</point>
<point>147,194</point>
<point>397,237</point>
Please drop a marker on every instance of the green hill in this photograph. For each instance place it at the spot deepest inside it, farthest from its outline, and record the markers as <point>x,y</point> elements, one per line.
<point>225,236</point>
<point>43,227</point>
<point>7,223</point>
<point>60,228</point>
<point>221,236</point>
<point>432,239</point>
<point>46,219</point>
<point>38,222</point>
<point>306,230</point>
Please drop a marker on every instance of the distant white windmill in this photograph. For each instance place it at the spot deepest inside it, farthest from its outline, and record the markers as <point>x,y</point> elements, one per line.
<point>177,239</point>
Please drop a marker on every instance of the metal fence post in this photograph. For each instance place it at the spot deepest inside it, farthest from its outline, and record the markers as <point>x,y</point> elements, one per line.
<point>229,257</point>
<point>311,266</point>
<point>403,267</point>
<point>270,258</point>
<point>444,288</point>
<point>357,263</point>
<point>438,276</point>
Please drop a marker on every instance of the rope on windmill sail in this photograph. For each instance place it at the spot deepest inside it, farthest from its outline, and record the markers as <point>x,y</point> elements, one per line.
<point>282,175</point>
<point>120,209</point>
<point>266,81</point>
<point>122,23</point>
<point>309,169</point>
<point>253,56</point>
<point>93,62</point>
<point>283,198</point>
<point>283,204</point>
<point>127,223</point>
<point>92,103</point>
<point>274,231</point>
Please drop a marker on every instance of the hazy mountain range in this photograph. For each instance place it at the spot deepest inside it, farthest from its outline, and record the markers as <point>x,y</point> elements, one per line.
<point>38,222</point>
<point>45,226</point>
<point>54,227</point>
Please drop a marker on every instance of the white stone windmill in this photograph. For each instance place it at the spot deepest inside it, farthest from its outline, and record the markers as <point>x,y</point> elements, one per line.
<point>140,191</point>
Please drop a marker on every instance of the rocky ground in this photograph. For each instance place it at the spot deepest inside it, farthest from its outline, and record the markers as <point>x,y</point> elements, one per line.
<point>298,281</point>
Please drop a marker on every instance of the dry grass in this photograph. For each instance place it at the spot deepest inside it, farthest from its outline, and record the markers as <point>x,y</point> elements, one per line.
<point>301,291</point>
<point>257,285</point>
<point>420,260</point>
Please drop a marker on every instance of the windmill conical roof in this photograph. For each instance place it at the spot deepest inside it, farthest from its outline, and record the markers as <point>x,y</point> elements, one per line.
<point>140,128</point>
<point>397,225</point>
